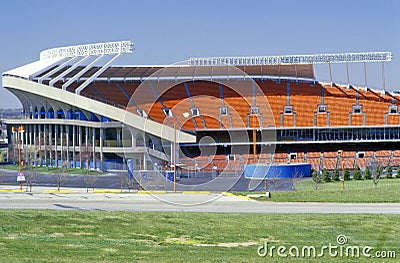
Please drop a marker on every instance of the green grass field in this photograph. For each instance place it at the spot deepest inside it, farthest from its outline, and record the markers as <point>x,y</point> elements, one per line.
<point>76,171</point>
<point>83,236</point>
<point>388,190</point>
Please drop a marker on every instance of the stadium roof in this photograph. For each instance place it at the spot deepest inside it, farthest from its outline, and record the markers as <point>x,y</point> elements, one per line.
<point>80,63</point>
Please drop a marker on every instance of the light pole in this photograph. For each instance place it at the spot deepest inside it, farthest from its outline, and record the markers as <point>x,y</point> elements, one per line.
<point>20,176</point>
<point>174,159</point>
<point>253,120</point>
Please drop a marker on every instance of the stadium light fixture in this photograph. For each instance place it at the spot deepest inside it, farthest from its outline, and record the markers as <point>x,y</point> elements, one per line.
<point>97,49</point>
<point>293,59</point>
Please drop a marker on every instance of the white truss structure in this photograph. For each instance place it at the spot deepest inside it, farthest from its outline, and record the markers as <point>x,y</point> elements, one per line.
<point>97,49</point>
<point>293,59</point>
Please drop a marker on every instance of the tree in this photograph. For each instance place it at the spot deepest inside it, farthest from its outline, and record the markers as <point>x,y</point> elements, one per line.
<point>122,179</point>
<point>317,179</point>
<point>377,175</point>
<point>1,176</point>
<point>389,172</point>
<point>346,175</point>
<point>335,175</point>
<point>131,182</point>
<point>357,173</point>
<point>30,176</point>
<point>272,181</point>
<point>296,176</point>
<point>90,180</point>
<point>326,175</point>
<point>367,174</point>
<point>125,180</point>
<point>59,175</point>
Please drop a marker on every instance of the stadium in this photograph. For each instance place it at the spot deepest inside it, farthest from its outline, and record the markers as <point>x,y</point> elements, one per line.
<point>207,119</point>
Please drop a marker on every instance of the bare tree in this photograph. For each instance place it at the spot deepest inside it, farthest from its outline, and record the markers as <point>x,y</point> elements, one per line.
<point>271,181</point>
<point>1,176</point>
<point>127,181</point>
<point>30,156</point>
<point>376,169</point>
<point>86,155</point>
<point>59,175</point>
<point>90,180</point>
<point>131,182</point>
<point>30,176</point>
<point>122,179</point>
<point>296,176</point>
<point>377,175</point>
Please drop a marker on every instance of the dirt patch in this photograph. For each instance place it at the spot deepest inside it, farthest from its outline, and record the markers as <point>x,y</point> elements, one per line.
<point>110,250</point>
<point>57,235</point>
<point>230,244</point>
<point>81,234</point>
<point>176,239</point>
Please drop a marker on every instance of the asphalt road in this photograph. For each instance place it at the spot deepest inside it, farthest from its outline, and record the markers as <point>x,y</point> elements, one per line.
<point>178,202</point>
<point>112,181</point>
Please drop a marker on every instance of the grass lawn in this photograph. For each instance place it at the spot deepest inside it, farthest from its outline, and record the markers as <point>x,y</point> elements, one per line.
<point>77,171</point>
<point>83,236</point>
<point>363,191</point>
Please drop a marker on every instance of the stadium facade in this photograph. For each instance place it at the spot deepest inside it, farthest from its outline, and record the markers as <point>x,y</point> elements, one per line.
<point>223,112</point>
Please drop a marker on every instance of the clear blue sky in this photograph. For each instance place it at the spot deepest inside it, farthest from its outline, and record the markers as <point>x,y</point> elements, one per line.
<point>165,32</point>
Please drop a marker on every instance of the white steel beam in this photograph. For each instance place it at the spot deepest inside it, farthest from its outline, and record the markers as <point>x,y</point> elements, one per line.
<point>95,75</point>
<point>59,77</point>
<point>80,73</point>
<point>55,70</point>
<point>293,59</point>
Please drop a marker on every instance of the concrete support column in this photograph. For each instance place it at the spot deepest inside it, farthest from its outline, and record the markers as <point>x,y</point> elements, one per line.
<point>26,135</point>
<point>133,139</point>
<point>67,127</point>
<point>118,137</point>
<point>87,142</point>
<point>45,143</point>
<point>86,136</point>
<point>73,146</point>
<point>51,144</point>
<point>34,134</point>
<point>62,143</point>
<point>40,143</point>
<point>56,144</point>
<point>101,147</point>
<point>80,145</point>
<point>94,147</point>
<point>30,135</point>
<point>144,162</point>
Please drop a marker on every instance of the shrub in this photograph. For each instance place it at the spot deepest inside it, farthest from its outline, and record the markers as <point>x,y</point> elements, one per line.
<point>398,172</point>
<point>367,174</point>
<point>326,175</point>
<point>335,175</point>
<point>346,175</point>
<point>389,172</point>
<point>317,179</point>
<point>315,176</point>
<point>357,174</point>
